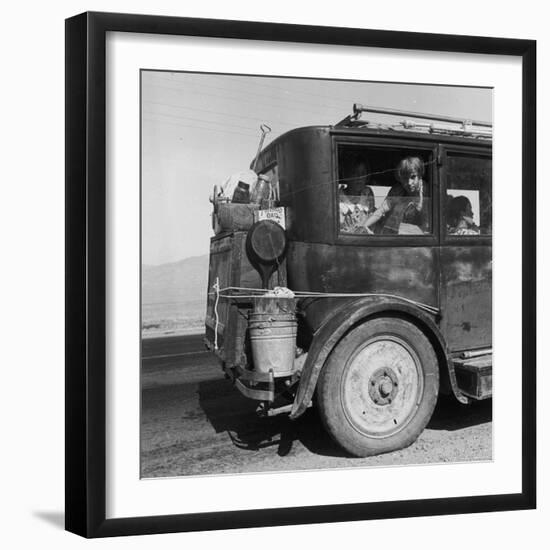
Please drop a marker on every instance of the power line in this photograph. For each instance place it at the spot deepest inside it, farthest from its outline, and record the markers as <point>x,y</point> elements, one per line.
<point>196,120</point>
<point>240,100</point>
<point>218,130</point>
<point>190,126</point>
<point>257,119</point>
<point>276,97</point>
<point>291,91</point>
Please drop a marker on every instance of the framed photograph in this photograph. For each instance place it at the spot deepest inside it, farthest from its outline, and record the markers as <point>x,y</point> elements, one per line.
<point>294,254</point>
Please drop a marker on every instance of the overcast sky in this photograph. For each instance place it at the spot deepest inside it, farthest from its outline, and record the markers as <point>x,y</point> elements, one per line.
<point>198,129</point>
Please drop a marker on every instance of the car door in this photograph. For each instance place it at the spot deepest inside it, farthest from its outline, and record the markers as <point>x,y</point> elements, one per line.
<point>466,247</point>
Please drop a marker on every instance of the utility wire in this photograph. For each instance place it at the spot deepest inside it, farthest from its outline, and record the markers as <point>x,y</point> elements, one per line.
<point>249,92</point>
<point>197,120</point>
<point>257,119</point>
<point>240,100</point>
<point>309,94</point>
<point>188,126</point>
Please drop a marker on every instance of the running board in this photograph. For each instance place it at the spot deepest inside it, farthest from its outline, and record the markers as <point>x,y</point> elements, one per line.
<point>474,376</point>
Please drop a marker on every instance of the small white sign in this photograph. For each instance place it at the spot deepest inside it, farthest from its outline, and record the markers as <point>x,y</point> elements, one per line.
<point>275,214</point>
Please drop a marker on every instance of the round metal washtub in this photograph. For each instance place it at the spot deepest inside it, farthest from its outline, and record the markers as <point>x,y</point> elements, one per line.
<point>273,342</point>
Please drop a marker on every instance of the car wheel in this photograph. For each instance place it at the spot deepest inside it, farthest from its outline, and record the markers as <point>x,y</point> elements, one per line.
<point>378,389</point>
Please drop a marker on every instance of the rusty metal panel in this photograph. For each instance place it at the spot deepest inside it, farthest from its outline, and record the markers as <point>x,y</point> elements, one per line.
<point>304,160</point>
<point>229,262</point>
<point>408,272</point>
<point>466,296</point>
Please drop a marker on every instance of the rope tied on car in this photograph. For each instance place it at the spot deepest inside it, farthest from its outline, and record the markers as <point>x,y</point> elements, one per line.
<point>232,292</point>
<point>216,287</point>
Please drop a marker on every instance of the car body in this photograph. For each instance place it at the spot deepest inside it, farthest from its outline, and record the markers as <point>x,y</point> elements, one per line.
<point>432,283</point>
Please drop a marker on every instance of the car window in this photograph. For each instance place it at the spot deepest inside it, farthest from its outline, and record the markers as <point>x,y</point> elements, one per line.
<point>468,206</point>
<point>384,191</point>
<point>273,177</point>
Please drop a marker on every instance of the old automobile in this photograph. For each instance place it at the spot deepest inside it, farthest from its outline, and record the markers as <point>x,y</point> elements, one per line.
<point>347,287</point>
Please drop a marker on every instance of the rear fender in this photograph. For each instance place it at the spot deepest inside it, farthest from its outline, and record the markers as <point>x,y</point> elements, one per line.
<point>350,315</point>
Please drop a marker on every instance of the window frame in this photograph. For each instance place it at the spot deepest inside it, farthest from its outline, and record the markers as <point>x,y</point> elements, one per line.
<point>445,152</point>
<point>383,142</point>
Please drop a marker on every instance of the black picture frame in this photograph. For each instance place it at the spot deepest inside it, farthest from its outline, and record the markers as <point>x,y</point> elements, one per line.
<point>86,272</point>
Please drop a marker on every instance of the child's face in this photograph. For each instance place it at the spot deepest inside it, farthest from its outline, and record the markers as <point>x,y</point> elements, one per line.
<point>358,181</point>
<point>468,214</point>
<point>413,182</point>
<point>356,187</point>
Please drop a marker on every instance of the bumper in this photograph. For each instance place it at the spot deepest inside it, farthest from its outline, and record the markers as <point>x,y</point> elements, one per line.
<point>254,385</point>
<point>475,376</point>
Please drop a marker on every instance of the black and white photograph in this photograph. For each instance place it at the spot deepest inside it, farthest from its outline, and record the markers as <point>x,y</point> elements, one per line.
<point>260,261</point>
<point>316,274</point>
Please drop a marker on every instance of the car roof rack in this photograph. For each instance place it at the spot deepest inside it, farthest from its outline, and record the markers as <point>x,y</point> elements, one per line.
<point>472,128</point>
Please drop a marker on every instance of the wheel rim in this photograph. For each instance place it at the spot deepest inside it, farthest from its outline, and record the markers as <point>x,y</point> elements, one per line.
<point>382,386</point>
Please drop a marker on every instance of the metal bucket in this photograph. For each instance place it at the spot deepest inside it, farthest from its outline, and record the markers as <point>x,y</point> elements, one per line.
<point>273,342</point>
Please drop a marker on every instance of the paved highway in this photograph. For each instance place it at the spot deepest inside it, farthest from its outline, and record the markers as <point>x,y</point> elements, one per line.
<point>194,423</point>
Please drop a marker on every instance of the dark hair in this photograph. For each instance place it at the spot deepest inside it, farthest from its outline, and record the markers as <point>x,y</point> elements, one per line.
<point>359,168</point>
<point>456,207</point>
<point>409,165</point>
<point>357,174</point>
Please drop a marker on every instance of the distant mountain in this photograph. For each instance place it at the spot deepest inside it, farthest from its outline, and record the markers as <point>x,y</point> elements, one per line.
<point>174,295</point>
<point>180,281</point>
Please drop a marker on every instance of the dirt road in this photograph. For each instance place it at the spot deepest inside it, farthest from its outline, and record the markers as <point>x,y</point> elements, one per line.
<point>195,423</point>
